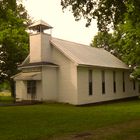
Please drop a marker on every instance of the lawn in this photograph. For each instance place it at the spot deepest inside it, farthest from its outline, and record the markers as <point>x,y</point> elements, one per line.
<point>5,97</point>
<point>117,121</point>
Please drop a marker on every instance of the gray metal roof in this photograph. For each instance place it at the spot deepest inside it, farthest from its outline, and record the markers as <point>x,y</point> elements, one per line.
<point>28,64</point>
<point>86,55</point>
<point>27,76</point>
<point>40,23</point>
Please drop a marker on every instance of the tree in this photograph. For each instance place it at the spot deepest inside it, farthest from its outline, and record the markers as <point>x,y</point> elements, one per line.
<point>103,40</point>
<point>105,11</point>
<point>123,16</point>
<point>112,42</point>
<point>13,38</point>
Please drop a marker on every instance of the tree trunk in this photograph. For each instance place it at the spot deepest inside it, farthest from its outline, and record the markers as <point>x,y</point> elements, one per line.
<point>13,93</point>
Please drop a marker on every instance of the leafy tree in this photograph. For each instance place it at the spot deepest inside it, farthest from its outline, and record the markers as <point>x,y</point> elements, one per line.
<point>123,16</point>
<point>105,11</point>
<point>13,38</point>
<point>111,42</point>
<point>103,40</point>
<point>4,86</point>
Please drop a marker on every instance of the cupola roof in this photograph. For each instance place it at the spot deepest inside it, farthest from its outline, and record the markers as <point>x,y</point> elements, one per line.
<point>40,25</point>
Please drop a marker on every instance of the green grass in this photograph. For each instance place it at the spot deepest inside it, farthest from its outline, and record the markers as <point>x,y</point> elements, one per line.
<point>50,121</point>
<point>6,99</point>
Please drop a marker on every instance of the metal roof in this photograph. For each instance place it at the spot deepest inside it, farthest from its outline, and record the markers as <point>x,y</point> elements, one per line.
<point>38,64</point>
<point>27,76</point>
<point>40,23</point>
<point>86,55</point>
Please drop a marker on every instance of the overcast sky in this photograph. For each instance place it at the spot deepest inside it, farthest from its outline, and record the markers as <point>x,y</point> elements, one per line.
<point>65,26</point>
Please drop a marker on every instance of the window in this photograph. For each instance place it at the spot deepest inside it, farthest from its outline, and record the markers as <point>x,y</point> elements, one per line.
<point>123,77</point>
<point>31,87</point>
<point>103,82</point>
<point>134,85</point>
<point>90,81</point>
<point>114,81</point>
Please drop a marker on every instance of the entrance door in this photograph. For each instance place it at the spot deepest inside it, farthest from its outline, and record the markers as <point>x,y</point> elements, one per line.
<point>31,89</point>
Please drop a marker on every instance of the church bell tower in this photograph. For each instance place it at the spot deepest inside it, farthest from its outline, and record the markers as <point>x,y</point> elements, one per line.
<point>40,49</point>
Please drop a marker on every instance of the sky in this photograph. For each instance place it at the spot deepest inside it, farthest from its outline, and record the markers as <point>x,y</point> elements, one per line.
<point>63,23</point>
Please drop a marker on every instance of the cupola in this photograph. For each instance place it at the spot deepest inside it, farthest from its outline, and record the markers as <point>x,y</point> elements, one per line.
<point>40,26</point>
<point>40,50</point>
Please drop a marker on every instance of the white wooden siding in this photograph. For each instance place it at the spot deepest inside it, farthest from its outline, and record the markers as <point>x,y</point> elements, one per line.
<point>67,77</point>
<point>83,91</point>
<point>40,48</point>
<point>49,84</point>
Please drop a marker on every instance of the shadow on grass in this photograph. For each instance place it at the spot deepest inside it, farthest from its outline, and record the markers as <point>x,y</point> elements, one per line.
<point>6,100</point>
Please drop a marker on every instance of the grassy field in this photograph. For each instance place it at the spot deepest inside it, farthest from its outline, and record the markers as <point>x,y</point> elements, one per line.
<point>5,97</point>
<point>117,121</point>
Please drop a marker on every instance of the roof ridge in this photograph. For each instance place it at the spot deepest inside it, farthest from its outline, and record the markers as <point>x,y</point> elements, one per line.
<point>77,43</point>
<point>83,54</point>
<point>70,41</point>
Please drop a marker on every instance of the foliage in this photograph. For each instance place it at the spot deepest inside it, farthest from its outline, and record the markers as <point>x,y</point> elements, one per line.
<point>136,73</point>
<point>123,16</point>
<point>50,121</point>
<point>105,40</point>
<point>13,38</point>
<point>4,86</point>
<point>105,11</point>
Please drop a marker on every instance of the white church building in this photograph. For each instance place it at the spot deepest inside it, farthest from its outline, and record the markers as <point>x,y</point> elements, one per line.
<point>63,71</point>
